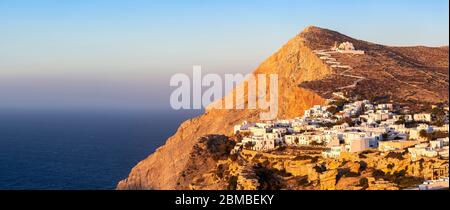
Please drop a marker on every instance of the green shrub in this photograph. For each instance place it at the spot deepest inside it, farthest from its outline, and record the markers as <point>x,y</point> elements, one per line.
<point>390,166</point>
<point>303,181</point>
<point>395,155</point>
<point>232,183</point>
<point>379,174</point>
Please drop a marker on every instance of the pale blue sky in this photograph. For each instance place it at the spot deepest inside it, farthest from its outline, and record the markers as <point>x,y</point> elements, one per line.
<point>121,54</point>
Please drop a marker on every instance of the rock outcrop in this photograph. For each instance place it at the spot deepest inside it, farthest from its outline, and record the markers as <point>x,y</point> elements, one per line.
<point>328,180</point>
<point>302,168</point>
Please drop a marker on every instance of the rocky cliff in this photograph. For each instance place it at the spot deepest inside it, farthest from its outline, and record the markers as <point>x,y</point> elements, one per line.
<point>296,63</point>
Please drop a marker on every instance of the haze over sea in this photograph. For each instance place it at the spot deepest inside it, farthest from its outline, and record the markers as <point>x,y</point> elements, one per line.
<point>78,149</point>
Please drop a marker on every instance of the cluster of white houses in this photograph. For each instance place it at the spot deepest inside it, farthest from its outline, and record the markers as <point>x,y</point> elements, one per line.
<point>376,127</point>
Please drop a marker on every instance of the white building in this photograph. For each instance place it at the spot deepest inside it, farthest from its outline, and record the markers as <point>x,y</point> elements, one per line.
<point>333,152</point>
<point>389,107</point>
<point>317,111</point>
<point>279,130</point>
<point>435,184</point>
<point>347,47</point>
<point>407,118</point>
<point>422,150</point>
<point>259,143</point>
<point>357,145</point>
<point>395,145</point>
<point>243,127</point>
<point>291,139</point>
<point>437,144</point>
<point>334,142</point>
<point>414,133</point>
<point>423,117</point>
<point>443,128</point>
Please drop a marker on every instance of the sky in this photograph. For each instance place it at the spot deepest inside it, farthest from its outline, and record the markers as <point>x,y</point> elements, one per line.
<point>120,54</point>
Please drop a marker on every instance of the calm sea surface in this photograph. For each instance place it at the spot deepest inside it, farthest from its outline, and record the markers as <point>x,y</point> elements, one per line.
<point>78,149</point>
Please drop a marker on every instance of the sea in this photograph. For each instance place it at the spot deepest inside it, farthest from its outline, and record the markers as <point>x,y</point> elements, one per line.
<point>79,150</point>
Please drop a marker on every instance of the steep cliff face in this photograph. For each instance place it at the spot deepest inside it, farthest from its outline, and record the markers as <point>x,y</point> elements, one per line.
<point>294,63</point>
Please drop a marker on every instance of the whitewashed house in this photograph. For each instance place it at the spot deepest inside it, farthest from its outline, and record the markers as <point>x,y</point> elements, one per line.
<point>291,140</point>
<point>389,107</point>
<point>436,144</point>
<point>347,48</point>
<point>422,150</point>
<point>243,127</point>
<point>358,145</point>
<point>333,152</point>
<point>423,117</point>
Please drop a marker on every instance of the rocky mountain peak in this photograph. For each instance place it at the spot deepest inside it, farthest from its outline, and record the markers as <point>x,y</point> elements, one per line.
<point>405,74</point>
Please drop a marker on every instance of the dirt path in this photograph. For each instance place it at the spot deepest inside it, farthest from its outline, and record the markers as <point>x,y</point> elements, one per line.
<point>327,55</point>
